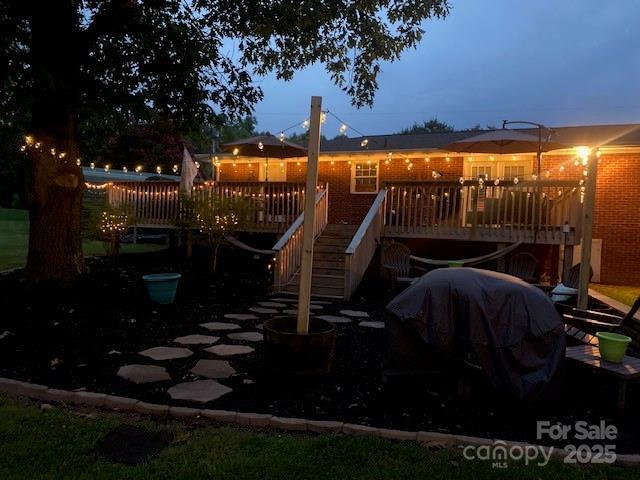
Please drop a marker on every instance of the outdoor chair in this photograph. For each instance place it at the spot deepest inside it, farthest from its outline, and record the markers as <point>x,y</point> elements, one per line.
<point>573,276</point>
<point>523,265</point>
<point>396,264</point>
<point>583,324</point>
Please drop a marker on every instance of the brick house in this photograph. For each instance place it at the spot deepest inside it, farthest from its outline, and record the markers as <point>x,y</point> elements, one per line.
<point>453,214</point>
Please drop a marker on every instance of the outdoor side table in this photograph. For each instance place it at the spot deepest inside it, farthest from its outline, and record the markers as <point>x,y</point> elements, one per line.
<point>625,371</point>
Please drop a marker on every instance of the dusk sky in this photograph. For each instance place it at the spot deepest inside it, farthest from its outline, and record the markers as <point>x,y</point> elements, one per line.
<point>562,62</point>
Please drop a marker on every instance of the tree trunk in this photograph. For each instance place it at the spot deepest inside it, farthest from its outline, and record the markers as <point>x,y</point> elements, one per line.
<point>54,183</point>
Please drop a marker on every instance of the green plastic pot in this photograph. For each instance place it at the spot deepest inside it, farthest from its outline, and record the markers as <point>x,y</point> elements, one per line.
<point>613,346</point>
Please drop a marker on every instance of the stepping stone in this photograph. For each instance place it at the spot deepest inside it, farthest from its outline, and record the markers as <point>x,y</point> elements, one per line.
<point>227,350</point>
<point>166,353</point>
<point>273,304</point>
<point>220,326</point>
<point>354,313</point>
<point>286,300</point>
<point>263,310</point>
<point>372,324</point>
<point>246,336</point>
<point>201,391</point>
<point>196,340</point>
<point>213,369</point>
<point>290,311</point>
<point>334,318</point>
<point>240,316</point>
<point>143,373</point>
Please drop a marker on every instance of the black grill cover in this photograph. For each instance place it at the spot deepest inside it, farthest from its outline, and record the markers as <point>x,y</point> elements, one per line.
<point>508,327</point>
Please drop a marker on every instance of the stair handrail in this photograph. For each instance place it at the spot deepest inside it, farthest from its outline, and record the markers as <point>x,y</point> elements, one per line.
<point>288,249</point>
<point>363,245</point>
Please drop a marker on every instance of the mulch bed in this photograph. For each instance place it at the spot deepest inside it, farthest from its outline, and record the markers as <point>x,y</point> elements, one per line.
<point>79,338</point>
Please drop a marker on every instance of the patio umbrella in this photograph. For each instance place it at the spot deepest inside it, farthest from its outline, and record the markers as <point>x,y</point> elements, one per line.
<point>266,146</point>
<point>503,141</point>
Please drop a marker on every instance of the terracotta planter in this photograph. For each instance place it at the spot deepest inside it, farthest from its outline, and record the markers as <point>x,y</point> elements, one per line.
<point>299,354</point>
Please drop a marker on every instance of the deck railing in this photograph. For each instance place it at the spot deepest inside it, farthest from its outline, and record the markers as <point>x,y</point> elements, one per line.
<point>288,250</point>
<point>273,206</point>
<point>363,245</point>
<point>546,211</point>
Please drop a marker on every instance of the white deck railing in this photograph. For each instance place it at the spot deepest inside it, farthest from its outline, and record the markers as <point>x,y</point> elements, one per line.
<point>272,205</point>
<point>545,211</point>
<point>288,250</point>
<point>363,245</point>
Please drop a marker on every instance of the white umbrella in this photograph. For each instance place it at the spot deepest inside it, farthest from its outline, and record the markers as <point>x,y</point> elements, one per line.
<point>188,173</point>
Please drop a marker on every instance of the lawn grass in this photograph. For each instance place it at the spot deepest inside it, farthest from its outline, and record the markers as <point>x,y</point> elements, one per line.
<point>56,443</point>
<point>14,240</point>
<point>621,293</point>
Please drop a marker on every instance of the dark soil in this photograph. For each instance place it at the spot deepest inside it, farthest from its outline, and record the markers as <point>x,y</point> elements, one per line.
<point>78,339</point>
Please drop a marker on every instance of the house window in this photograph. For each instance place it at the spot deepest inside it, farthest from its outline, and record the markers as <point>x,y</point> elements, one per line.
<point>484,171</point>
<point>364,178</point>
<point>513,171</point>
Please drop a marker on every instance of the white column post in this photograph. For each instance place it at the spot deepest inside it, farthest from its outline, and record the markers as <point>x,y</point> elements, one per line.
<point>587,229</point>
<point>304,295</point>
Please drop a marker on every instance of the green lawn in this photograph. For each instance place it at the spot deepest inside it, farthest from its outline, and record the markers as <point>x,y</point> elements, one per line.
<point>58,444</point>
<point>624,294</point>
<point>14,238</point>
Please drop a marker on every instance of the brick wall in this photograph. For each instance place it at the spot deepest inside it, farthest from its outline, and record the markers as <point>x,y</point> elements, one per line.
<point>617,213</point>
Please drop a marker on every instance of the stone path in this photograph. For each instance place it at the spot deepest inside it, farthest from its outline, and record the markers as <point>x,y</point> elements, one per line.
<point>334,318</point>
<point>240,316</point>
<point>246,336</point>
<point>196,340</point>
<point>228,350</point>
<point>354,313</point>
<point>201,391</point>
<point>372,324</point>
<point>263,310</point>
<point>208,389</point>
<point>213,369</point>
<point>143,373</point>
<point>166,353</point>
<point>220,326</point>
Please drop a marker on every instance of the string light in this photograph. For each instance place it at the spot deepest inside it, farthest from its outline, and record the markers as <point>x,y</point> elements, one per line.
<point>139,169</point>
<point>159,170</point>
<point>175,168</point>
<point>343,129</point>
<point>305,124</point>
<point>112,223</point>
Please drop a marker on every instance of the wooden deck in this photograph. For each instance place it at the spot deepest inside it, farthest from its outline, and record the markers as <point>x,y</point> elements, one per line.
<point>547,212</point>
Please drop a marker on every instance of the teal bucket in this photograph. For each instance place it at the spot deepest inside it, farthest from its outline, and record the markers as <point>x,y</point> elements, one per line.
<point>162,286</point>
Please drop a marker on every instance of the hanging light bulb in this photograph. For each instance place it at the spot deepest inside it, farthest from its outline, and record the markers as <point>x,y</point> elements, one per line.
<point>28,140</point>
<point>125,169</point>
<point>261,146</point>
<point>236,151</point>
<point>107,167</point>
<point>323,117</point>
<point>496,182</point>
<point>461,180</point>
<point>159,170</point>
<point>305,124</point>
<point>175,168</point>
<point>364,142</point>
<point>281,136</point>
<point>515,180</point>
<point>139,169</point>
<point>78,162</point>
<point>343,129</point>
<point>562,168</point>
<point>427,159</point>
<point>92,165</point>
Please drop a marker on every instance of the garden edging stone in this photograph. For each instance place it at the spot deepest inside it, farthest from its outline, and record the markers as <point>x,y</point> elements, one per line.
<point>93,399</point>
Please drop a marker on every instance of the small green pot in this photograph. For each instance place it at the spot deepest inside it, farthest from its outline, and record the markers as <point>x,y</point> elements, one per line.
<point>613,346</point>
<point>162,286</point>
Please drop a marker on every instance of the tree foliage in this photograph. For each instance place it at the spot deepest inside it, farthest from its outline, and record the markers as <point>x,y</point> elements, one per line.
<point>430,126</point>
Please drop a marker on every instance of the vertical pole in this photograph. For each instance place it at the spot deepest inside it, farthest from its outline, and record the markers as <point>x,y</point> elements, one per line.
<point>587,229</point>
<point>304,294</point>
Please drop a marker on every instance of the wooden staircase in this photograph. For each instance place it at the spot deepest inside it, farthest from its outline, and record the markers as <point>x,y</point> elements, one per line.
<point>328,278</point>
